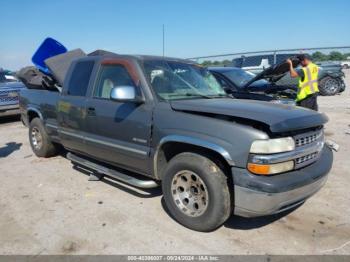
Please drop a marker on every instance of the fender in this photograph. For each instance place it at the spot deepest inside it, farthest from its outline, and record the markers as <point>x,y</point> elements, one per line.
<point>30,108</point>
<point>335,74</point>
<point>191,141</point>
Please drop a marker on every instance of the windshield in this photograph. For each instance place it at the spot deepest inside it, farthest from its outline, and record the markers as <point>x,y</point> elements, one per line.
<point>240,77</point>
<point>177,80</point>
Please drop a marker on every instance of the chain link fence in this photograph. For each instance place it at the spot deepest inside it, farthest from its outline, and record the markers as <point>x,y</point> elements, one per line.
<point>256,61</point>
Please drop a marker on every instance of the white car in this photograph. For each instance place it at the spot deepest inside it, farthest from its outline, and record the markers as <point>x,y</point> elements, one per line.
<point>345,64</point>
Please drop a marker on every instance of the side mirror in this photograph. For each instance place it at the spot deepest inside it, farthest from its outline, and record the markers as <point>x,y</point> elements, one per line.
<point>124,94</point>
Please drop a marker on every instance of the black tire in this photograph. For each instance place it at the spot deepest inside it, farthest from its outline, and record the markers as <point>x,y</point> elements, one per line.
<point>329,86</point>
<point>218,205</point>
<point>342,86</point>
<point>42,147</point>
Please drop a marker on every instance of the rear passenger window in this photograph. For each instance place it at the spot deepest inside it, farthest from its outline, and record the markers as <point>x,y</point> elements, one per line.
<point>80,78</point>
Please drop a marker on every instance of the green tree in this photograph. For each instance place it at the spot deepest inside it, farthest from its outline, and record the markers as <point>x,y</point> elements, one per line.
<point>206,63</point>
<point>226,62</point>
<point>335,56</point>
<point>319,56</point>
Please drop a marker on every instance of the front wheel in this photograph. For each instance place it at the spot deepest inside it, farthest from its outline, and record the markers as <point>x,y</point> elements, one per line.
<point>196,192</point>
<point>329,86</point>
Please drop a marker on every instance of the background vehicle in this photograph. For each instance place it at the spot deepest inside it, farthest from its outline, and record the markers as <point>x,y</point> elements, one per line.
<point>9,94</point>
<point>345,64</point>
<point>234,80</point>
<point>170,121</point>
<point>331,76</point>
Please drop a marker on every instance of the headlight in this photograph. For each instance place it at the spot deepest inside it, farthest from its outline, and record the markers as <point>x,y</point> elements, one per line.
<point>272,146</point>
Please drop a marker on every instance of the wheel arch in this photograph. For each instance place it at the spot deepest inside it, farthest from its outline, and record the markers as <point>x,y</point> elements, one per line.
<point>171,146</point>
<point>32,113</point>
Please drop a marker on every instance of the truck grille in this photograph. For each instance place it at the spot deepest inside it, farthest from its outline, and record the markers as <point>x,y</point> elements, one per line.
<point>306,141</point>
<point>306,158</point>
<point>8,96</point>
<point>303,140</point>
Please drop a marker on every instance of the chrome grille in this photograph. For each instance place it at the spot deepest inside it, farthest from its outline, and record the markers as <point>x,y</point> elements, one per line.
<point>306,158</point>
<point>8,96</point>
<point>305,142</point>
<point>8,99</point>
<point>307,138</point>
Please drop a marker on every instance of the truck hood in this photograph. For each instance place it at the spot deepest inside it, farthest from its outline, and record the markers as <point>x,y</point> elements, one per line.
<point>273,73</point>
<point>279,118</point>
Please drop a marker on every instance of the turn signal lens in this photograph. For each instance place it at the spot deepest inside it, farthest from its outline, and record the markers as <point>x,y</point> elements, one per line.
<point>270,169</point>
<point>259,169</point>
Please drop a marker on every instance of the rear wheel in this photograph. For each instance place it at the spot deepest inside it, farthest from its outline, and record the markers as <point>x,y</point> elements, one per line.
<point>39,139</point>
<point>329,86</point>
<point>196,192</point>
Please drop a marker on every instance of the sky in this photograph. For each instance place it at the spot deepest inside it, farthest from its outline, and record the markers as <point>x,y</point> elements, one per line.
<point>192,28</point>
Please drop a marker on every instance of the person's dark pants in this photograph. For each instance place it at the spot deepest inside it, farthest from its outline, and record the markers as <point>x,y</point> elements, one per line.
<point>309,102</point>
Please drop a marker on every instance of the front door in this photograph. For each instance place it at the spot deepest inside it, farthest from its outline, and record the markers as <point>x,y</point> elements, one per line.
<point>118,132</point>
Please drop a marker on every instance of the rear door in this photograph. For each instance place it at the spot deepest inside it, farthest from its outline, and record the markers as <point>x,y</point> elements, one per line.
<point>72,106</point>
<point>119,132</point>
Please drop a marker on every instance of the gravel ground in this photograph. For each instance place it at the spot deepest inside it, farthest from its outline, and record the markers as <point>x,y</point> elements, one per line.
<point>47,207</point>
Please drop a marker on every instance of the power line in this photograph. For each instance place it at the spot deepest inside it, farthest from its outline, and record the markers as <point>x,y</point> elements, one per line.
<point>270,51</point>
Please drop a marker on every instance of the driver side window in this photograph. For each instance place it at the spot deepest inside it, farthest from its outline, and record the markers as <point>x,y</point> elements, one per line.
<point>111,76</point>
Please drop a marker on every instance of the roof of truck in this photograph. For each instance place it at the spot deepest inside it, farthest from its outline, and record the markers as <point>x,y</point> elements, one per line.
<point>146,57</point>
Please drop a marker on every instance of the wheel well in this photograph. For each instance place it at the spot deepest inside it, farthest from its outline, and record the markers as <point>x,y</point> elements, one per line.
<point>31,115</point>
<point>171,149</point>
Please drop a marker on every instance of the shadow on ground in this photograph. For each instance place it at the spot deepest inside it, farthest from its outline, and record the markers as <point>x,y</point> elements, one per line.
<point>234,222</point>
<point>242,223</point>
<point>9,119</point>
<point>9,148</point>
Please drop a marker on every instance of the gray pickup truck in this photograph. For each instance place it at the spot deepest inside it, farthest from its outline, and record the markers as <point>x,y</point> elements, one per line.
<point>149,120</point>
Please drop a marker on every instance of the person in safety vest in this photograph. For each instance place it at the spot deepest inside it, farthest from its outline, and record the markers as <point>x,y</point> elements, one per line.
<point>308,81</point>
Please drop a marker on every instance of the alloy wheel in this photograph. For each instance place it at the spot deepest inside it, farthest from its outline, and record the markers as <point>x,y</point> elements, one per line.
<point>331,85</point>
<point>189,193</point>
<point>37,139</point>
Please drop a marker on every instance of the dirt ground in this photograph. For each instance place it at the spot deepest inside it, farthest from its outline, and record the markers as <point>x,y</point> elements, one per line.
<point>47,207</point>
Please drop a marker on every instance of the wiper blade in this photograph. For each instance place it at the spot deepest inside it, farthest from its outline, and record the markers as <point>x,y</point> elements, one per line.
<point>192,95</point>
<point>221,96</point>
<point>197,94</point>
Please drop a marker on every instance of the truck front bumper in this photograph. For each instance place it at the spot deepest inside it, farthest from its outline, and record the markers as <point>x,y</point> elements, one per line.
<point>9,110</point>
<point>265,195</point>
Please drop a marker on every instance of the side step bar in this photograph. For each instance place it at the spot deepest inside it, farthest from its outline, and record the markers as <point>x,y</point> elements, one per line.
<point>112,173</point>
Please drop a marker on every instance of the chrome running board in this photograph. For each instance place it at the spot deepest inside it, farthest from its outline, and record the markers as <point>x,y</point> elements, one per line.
<point>112,173</point>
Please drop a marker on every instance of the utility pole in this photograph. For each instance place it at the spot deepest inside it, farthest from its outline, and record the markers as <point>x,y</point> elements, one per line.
<point>163,40</point>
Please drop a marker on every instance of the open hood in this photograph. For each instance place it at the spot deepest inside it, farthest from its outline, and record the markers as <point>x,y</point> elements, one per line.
<point>279,118</point>
<point>273,73</point>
